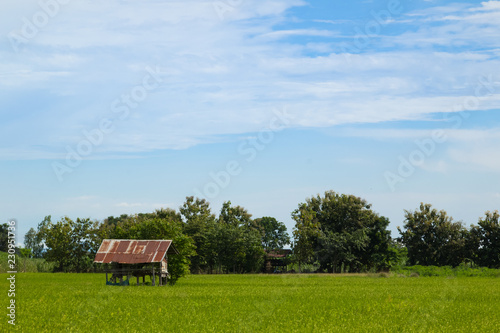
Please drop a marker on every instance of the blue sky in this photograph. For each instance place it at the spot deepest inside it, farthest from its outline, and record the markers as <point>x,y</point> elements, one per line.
<point>128,106</point>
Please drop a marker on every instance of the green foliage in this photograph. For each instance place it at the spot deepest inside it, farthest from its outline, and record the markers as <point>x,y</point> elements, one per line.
<point>25,264</point>
<point>337,249</point>
<point>199,223</point>
<point>71,245</point>
<point>230,243</point>
<point>306,231</point>
<point>333,233</point>
<point>33,242</point>
<point>274,233</point>
<point>432,238</point>
<point>341,231</point>
<point>463,270</point>
<point>235,216</point>
<point>488,240</point>
<point>24,252</point>
<point>338,232</point>
<point>4,229</point>
<point>235,242</point>
<point>398,255</point>
<point>256,303</point>
<point>162,228</point>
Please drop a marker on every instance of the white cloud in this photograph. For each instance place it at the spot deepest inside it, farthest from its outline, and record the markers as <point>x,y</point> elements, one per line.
<point>298,32</point>
<point>452,135</point>
<point>223,76</point>
<point>454,25</point>
<point>488,6</point>
<point>483,155</point>
<point>435,167</point>
<point>463,147</point>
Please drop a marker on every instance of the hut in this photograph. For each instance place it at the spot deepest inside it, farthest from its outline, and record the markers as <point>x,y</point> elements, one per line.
<point>277,260</point>
<point>126,258</point>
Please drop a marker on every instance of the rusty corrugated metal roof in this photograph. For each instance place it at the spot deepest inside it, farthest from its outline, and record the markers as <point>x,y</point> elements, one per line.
<point>131,251</point>
<point>279,253</point>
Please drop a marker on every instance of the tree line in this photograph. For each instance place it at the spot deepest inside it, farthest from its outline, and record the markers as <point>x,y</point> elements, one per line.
<point>341,233</point>
<point>433,238</point>
<point>232,242</point>
<point>334,232</point>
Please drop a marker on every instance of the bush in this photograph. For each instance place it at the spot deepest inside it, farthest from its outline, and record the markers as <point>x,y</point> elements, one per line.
<point>462,270</point>
<point>26,265</point>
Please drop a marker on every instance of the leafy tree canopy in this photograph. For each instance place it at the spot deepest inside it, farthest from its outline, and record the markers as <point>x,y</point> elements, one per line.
<point>432,238</point>
<point>340,230</point>
<point>274,233</point>
<point>72,245</point>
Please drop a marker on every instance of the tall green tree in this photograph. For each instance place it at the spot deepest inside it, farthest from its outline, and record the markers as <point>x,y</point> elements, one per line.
<point>199,223</point>
<point>235,216</point>
<point>379,253</point>
<point>274,233</point>
<point>305,234</point>
<point>487,234</point>
<point>343,231</point>
<point>72,245</point>
<point>33,243</point>
<point>336,250</point>
<point>235,242</point>
<point>432,238</point>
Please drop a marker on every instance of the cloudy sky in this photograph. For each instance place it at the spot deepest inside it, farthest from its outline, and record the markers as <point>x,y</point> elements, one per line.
<point>125,106</point>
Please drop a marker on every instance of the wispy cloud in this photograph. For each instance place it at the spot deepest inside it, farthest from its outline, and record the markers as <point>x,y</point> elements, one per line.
<point>223,77</point>
<point>452,135</point>
<point>483,155</point>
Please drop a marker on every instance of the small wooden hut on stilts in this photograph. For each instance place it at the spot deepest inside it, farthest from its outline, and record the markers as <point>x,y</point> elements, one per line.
<point>127,258</point>
<point>277,261</point>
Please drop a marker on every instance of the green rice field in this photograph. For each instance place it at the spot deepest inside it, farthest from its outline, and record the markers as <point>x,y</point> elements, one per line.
<point>255,303</point>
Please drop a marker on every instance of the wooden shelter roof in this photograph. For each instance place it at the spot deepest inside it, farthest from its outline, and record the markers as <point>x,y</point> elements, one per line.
<point>131,251</point>
<point>278,253</point>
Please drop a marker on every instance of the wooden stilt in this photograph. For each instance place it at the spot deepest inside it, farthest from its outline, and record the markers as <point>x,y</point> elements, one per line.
<point>153,275</point>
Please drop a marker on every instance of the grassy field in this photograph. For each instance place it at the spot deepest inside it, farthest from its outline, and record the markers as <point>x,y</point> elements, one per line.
<point>256,303</point>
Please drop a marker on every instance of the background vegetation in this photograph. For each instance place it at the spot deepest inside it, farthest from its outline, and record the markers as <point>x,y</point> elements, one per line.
<point>26,265</point>
<point>333,232</point>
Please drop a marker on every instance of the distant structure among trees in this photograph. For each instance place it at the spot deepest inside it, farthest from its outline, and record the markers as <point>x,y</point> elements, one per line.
<point>277,261</point>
